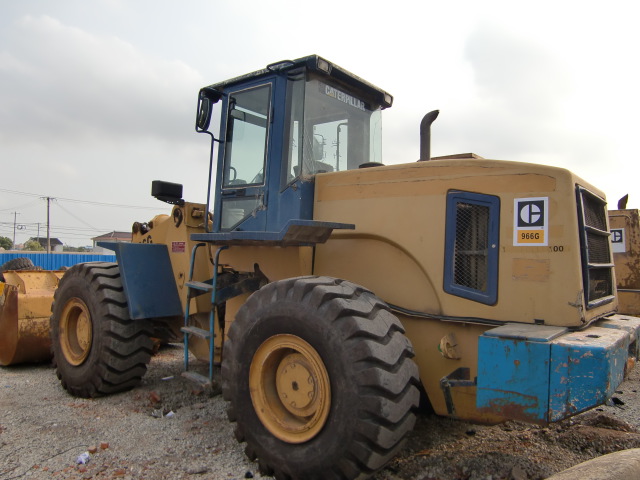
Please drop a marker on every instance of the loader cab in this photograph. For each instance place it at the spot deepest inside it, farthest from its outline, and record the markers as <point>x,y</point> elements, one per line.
<point>279,128</point>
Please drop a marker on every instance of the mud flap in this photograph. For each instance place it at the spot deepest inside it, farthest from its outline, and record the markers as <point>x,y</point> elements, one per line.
<point>147,279</point>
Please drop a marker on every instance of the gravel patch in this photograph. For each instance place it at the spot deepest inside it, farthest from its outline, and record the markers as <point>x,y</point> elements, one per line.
<point>167,429</point>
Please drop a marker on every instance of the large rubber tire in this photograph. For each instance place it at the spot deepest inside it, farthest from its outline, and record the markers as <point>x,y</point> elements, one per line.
<point>17,264</point>
<point>21,263</point>
<point>360,386</point>
<point>97,348</point>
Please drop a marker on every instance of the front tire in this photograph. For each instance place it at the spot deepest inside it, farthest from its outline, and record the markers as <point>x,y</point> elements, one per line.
<point>319,379</point>
<point>97,348</point>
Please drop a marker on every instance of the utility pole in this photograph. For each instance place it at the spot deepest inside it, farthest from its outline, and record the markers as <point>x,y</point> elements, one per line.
<point>48,231</point>
<point>48,199</point>
<point>15,216</point>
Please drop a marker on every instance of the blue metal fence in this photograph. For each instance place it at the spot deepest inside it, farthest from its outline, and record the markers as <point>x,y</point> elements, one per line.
<point>55,261</point>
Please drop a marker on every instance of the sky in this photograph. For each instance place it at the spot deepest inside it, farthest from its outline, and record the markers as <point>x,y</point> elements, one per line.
<point>98,98</point>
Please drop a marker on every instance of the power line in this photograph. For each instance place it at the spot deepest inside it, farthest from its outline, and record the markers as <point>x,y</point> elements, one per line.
<point>32,229</point>
<point>73,200</point>
<point>77,218</point>
<point>19,207</point>
<point>33,225</point>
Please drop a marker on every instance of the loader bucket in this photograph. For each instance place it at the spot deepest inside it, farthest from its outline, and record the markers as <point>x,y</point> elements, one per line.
<point>25,308</point>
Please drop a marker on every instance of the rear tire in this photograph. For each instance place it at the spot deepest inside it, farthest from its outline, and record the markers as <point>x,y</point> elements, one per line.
<point>319,379</point>
<point>97,348</point>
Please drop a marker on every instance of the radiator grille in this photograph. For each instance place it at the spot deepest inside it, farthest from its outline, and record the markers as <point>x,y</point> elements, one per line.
<point>598,247</point>
<point>595,213</point>
<point>599,283</point>
<point>596,253</point>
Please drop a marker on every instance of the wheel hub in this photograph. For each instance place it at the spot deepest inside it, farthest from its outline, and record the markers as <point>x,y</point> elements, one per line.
<point>290,388</point>
<point>296,385</point>
<point>76,331</point>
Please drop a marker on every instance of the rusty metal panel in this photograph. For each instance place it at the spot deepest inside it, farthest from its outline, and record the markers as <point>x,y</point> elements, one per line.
<point>625,227</point>
<point>629,324</point>
<point>513,371</point>
<point>542,374</point>
<point>24,335</point>
<point>586,368</point>
<point>628,301</point>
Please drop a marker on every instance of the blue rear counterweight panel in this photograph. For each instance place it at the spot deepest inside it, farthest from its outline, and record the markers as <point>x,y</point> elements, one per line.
<point>542,374</point>
<point>513,378</point>
<point>586,369</point>
<point>147,278</point>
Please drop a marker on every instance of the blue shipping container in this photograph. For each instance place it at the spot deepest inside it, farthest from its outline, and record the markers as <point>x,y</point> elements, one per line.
<point>55,261</point>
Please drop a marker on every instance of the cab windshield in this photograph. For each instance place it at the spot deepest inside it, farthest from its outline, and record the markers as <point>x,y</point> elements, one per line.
<point>330,129</point>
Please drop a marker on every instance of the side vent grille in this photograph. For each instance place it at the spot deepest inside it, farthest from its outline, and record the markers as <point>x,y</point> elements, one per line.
<point>597,266</point>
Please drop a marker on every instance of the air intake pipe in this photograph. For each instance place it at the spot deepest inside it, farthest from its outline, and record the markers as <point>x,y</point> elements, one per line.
<point>425,135</point>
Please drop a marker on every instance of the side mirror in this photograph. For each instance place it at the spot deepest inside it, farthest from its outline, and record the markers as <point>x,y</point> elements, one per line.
<point>204,113</point>
<point>207,97</point>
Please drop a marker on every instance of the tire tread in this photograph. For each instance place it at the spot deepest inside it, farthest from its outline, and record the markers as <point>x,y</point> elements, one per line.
<point>124,346</point>
<point>385,374</point>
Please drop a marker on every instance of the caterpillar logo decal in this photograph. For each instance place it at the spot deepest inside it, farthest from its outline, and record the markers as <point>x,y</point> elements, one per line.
<point>531,221</point>
<point>342,97</point>
<point>618,244</point>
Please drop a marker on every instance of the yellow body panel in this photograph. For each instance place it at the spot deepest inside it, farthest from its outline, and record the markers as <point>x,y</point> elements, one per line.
<point>397,248</point>
<point>627,259</point>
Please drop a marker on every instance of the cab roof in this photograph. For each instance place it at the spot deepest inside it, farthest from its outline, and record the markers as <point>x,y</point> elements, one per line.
<point>313,63</point>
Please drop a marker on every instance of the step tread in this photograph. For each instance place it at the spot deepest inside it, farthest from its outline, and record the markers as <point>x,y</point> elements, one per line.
<point>202,286</point>
<point>198,332</point>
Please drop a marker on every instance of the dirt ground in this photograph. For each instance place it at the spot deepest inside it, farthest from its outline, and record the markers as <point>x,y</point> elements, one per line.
<point>167,429</point>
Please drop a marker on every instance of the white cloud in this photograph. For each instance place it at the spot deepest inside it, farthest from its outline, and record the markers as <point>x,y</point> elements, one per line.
<point>76,86</point>
<point>92,117</point>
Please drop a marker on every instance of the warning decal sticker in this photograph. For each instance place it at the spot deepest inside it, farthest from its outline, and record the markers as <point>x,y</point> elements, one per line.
<point>178,247</point>
<point>531,221</point>
<point>618,244</point>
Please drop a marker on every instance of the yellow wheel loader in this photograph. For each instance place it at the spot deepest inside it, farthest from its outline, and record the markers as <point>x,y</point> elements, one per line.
<point>333,289</point>
<point>625,245</point>
<point>25,308</point>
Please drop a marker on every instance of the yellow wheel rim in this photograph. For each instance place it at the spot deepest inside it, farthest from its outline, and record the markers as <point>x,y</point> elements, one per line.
<point>75,331</point>
<point>290,388</point>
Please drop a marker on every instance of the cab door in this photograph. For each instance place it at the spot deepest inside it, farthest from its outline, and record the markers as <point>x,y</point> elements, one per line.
<point>243,161</point>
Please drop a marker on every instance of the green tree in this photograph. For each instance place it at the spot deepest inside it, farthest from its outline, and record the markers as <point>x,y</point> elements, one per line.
<point>33,246</point>
<point>6,243</point>
<point>69,248</point>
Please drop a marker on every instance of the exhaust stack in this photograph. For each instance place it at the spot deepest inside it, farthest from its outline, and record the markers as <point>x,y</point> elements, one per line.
<point>425,135</point>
